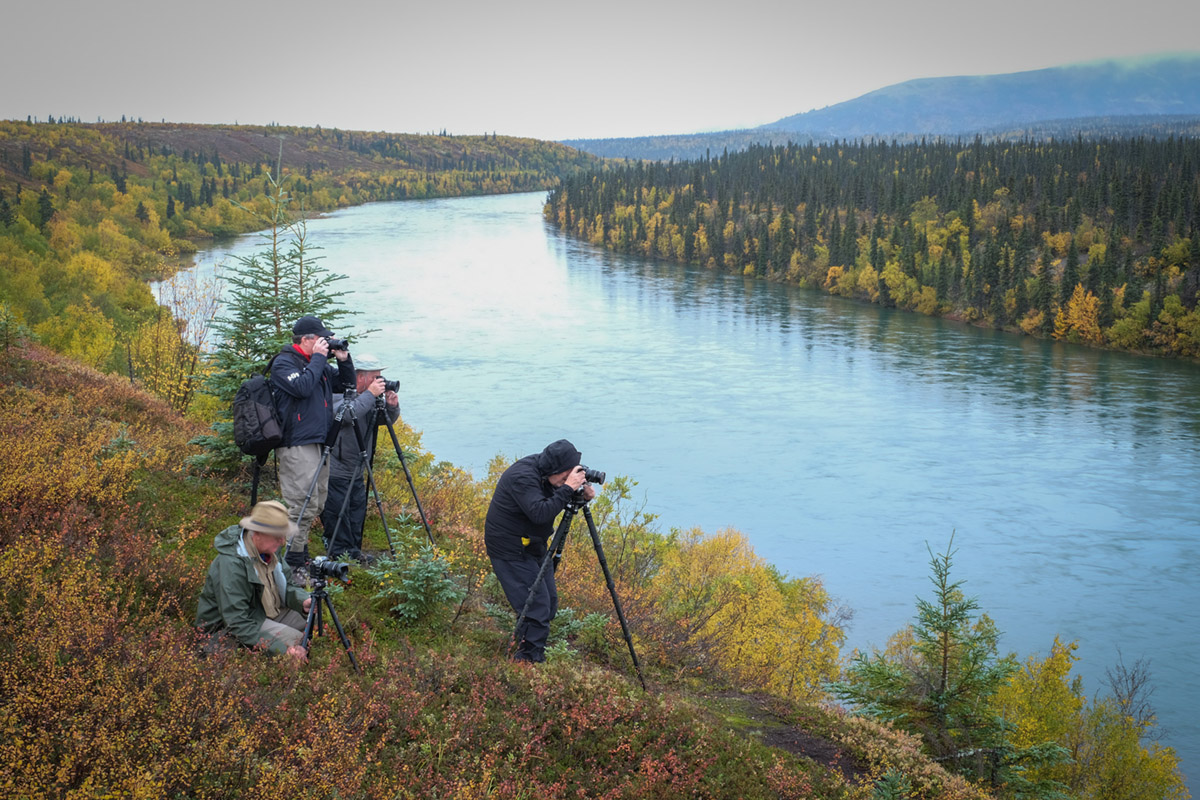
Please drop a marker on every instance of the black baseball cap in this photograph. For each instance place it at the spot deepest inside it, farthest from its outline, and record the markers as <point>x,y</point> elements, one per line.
<point>310,325</point>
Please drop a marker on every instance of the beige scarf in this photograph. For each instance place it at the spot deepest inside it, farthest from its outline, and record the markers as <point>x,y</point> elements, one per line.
<point>272,602</point>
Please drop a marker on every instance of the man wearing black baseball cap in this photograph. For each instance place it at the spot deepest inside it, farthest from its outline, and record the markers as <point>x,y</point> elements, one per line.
<point>304,383</point>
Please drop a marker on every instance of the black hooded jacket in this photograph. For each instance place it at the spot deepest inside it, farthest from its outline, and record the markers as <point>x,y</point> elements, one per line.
<point>525,504</point>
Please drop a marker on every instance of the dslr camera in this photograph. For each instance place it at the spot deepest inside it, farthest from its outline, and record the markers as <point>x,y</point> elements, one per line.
<point>592,475</point>
<point>337,344</point>
<point>323,568</point>
<point>391,386</point>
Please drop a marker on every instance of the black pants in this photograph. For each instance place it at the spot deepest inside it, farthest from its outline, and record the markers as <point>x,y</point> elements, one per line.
<point>515,578</point>
<point>349,534</point>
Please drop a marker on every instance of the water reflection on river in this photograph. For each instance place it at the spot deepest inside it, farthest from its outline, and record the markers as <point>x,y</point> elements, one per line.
<point>840,437</point>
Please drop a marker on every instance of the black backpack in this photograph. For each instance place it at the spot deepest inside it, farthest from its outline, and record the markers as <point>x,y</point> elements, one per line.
<point>257,428</point>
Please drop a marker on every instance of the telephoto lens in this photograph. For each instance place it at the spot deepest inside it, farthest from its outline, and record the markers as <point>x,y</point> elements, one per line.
<point>322,567</point>
<point>593,475</point>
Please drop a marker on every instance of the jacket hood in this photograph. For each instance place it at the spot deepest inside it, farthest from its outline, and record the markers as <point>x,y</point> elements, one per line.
<point>229,542</point>
<point>557,457</point>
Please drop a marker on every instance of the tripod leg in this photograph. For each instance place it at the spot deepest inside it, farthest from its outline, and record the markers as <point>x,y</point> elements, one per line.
<point>313,623</point>
<point>408,476</point>
<point>366,462</point>
<point>612,590</point>
<point>556,545</point>
<point>337,624</point>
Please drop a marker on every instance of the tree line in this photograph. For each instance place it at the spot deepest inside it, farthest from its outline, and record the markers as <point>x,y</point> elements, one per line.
<point>1094,241</point>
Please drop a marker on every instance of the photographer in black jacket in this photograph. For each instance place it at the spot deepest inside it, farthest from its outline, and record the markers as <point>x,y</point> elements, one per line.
<point>520,520</point>
<point>304,382</point>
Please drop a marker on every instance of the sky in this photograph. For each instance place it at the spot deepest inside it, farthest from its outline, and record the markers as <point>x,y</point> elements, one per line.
<point>548,70</point>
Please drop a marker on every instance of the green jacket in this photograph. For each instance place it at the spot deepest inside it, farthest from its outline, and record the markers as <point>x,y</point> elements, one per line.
<point>231,600</point>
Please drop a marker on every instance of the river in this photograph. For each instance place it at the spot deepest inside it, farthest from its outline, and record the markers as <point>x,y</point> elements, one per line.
<point>842,438</point>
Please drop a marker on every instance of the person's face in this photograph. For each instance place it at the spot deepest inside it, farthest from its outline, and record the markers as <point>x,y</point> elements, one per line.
<point>267,545</point>
<point>366,378</point>
<point>307,342</point>
<point>559,478</point>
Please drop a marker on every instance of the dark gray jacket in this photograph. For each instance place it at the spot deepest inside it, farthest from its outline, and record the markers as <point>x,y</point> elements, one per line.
<point>343,457</point>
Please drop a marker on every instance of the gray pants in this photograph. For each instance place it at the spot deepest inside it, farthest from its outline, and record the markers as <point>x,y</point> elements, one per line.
<point>288,627</point>
<point>297,465</point>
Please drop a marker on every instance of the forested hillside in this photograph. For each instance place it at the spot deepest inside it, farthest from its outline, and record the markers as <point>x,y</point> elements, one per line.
<point>688,147</point>
<point>1088,241</point>
<point>89,212</point>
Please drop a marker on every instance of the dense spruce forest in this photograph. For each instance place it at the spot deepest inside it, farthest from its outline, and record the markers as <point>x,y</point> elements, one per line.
<point>691,146</point>
<point>90,212</point>
<point>1091,241</point>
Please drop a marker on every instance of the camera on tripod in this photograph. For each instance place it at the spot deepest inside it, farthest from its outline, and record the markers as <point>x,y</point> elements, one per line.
<point>337,344</point>
<point>390,386</point>
<point>328,569</point>
<point>592,475</point>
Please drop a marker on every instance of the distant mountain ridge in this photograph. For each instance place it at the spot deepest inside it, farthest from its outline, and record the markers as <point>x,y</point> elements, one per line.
<point>965,104</point>
<point>1157,96</point>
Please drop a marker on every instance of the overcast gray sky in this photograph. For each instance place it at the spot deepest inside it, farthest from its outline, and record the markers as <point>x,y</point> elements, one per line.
<point>550,70</point>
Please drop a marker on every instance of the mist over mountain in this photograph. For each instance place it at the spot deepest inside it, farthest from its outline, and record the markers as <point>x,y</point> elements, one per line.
<point>1158,95</point>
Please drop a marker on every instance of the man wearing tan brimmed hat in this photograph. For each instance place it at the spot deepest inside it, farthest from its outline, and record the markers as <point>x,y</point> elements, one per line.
<point>247,594</point>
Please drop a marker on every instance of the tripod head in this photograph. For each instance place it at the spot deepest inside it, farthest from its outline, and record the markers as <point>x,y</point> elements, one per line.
<point>578,500</point>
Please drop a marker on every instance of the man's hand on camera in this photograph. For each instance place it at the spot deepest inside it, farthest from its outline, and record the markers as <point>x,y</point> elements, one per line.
<point>341,355</point>
<point>377,386</point>
<point>393,399</point>
<point>321,346</point>
<point>588,491</point>
<point>576,478</point>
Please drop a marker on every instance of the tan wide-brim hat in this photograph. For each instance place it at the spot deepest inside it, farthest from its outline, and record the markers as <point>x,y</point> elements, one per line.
<point>270,517</point>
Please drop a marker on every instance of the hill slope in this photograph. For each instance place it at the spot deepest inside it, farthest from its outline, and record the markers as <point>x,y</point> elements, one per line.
<point>964,104</point>
<point>104,539</point>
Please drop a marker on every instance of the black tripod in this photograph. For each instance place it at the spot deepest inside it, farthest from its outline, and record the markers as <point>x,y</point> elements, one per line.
<point>554,556</point>
<point>381,414</point>
<point>316,621</point>
<point>366,458</point>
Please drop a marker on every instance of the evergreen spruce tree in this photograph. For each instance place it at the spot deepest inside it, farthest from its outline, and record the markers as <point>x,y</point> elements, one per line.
<point>1070,274</point>
<point>266,293</point>
<point>935,681</point>
<point>45,209</point>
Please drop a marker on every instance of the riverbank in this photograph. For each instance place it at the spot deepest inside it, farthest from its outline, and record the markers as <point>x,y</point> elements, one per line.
<point>1043,237</point>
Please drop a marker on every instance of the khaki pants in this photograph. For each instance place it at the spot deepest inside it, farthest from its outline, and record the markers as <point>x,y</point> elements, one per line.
<point>297,465</point>
<point>288,627</point>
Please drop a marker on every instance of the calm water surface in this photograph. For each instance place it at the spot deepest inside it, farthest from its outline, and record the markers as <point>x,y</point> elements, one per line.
<point>841,438</point>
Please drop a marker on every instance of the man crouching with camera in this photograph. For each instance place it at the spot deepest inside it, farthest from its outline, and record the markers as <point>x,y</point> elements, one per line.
<point>246,595</point>
<point>520,520</point>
